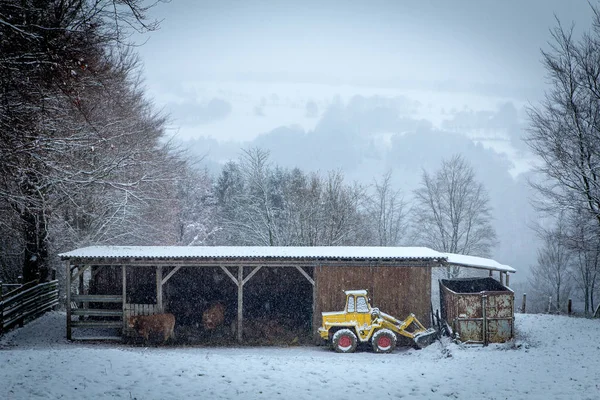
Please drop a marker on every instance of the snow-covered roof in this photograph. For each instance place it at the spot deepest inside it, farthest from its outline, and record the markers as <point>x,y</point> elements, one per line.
<point>477,262</point>
<point>280,252</point>
<point>182,252</point>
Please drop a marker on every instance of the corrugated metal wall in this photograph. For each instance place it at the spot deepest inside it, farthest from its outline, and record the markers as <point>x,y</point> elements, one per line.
<point>397,291</point>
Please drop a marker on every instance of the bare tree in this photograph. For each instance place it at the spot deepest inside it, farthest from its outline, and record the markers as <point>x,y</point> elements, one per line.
<point>565,129</point>
<point>565,134</point>
<point>387,209</point>
<point>343,212</point>
<point>551,276</point>
<point>583,239</point>
<point>452,212</point>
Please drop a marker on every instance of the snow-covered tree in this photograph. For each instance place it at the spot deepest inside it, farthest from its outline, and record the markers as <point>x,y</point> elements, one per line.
<point>388,212</point>
<point>80,156</point>
<point>452,212</point>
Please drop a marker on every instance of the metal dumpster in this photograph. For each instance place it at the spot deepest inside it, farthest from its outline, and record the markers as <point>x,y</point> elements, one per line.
<point>478,310</point>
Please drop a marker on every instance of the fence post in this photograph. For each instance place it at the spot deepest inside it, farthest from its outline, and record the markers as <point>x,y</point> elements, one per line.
<point>37,300</point>
<point>21,319</point>
<point>549,304</point>
<point>523,304</point>
<point>1,309</point>
<point>569,307</point>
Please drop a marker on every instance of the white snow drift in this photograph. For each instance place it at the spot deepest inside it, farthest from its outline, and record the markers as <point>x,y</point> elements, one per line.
<point>553,357</point>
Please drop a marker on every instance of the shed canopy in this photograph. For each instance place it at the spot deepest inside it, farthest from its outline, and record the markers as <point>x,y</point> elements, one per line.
<point>476,262</point>
<point>275,253</point>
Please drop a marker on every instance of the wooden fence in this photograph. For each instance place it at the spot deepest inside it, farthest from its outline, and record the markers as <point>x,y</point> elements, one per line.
<point>136,309</point>
<point>95,317</point>
<point>27,301</point>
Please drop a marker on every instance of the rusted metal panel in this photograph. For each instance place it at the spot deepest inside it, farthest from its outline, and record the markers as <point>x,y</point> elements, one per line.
<point>463,302</point>
<point>470,330</point>
<point>397,290</point>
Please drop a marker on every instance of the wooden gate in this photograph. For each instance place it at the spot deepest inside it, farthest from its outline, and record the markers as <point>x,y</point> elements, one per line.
<point>97,317</point>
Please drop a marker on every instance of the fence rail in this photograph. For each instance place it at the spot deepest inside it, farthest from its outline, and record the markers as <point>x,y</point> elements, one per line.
<point>28,300</point>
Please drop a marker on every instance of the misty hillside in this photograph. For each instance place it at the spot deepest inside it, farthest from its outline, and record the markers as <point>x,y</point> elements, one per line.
<point>368,136</point>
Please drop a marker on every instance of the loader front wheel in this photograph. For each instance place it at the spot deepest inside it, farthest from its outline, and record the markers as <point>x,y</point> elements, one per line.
<point>383,341</point>
<point>344,341</point>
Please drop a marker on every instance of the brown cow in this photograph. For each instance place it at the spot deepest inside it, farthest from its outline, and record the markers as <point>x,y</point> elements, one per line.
<point>163,324</point>
<point>213,317</point>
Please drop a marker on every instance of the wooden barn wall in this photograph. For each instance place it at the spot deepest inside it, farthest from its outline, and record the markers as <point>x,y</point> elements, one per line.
<point>397,291</point>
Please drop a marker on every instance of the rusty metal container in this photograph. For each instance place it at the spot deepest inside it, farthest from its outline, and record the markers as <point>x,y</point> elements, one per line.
<point>478,310</point>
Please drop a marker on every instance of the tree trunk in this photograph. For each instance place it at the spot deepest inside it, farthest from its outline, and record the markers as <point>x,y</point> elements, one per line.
<point>35,262</point>
<point>558,296</point>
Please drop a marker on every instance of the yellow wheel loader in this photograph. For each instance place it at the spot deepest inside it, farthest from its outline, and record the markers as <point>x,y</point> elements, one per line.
<point>359,322</point>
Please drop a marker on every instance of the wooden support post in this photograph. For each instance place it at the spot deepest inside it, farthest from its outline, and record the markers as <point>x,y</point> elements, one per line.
<point>507,279</point>
<point>124,294</point>
<point>484,324</point>
<point>569,307</point>
<point>524,303</point>
<point>250,275</point>
<point>68,293</point>
<point>80,270</point>
<point>303,272</point>
<point>491,273</point>
<point>229,274</point>
<point>240,310</point>
<point>81,283</point>
<point>159,290</point>
<point>81,290</point>
<point>170,274</point>
<point>315,322</point>
<point>95,271</point>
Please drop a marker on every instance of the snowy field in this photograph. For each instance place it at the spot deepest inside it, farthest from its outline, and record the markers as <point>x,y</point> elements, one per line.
<point>553,357</point>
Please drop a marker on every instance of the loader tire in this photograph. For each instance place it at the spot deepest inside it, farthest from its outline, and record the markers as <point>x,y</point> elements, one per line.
<point>383,341</point>
<point>344,341</point>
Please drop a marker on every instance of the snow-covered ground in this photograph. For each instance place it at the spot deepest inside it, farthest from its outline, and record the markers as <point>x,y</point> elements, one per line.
<point>553,357</point>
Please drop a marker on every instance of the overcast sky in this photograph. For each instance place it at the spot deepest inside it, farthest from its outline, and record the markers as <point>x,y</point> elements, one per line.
<point>460,43</point>
<point>364,86</point>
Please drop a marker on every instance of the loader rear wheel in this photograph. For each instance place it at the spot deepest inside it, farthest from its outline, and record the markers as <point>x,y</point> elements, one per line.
<point>383,341</point>
<point>344,341</point>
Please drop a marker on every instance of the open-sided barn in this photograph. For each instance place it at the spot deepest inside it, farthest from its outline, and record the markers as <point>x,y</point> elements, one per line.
<point>248,290</point>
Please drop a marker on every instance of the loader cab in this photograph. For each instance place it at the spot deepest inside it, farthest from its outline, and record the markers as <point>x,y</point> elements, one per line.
<point>357,307</point>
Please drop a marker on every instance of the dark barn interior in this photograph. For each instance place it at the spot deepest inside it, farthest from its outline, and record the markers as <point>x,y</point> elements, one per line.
<point>277,303</point>
<point>278,306</point>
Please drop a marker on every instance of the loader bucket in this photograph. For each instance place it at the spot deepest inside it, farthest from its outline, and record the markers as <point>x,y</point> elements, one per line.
<point>425,338</point>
